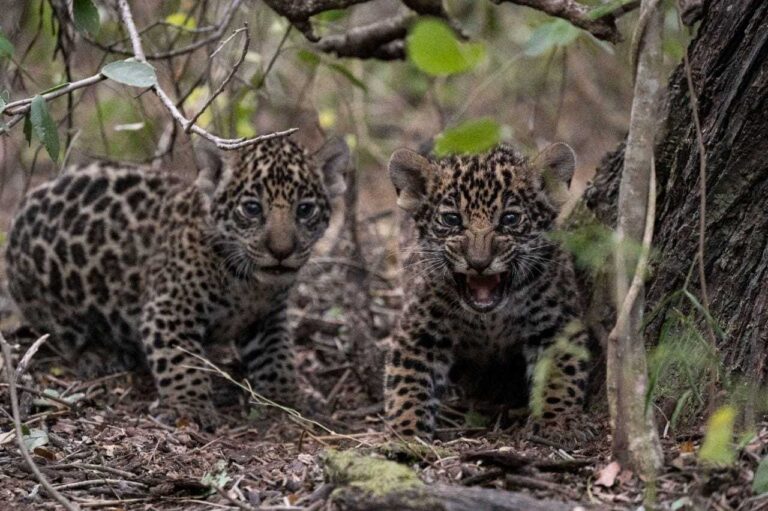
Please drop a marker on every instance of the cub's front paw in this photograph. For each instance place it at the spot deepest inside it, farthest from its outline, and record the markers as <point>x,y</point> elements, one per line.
<point>311,401</point>
<point>182,414</point>
<point>567,430</point>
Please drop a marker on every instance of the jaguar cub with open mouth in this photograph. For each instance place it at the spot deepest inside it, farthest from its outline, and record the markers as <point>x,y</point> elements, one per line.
<point>485,285</point>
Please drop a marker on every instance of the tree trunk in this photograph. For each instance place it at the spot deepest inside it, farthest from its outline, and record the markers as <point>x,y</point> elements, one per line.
<point>729,63</point>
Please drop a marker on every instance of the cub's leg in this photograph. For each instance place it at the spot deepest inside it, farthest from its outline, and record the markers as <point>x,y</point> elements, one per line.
<point>171,332</point>
<point>558,376</point>
<point>267,353</point>
<point>415,373</point>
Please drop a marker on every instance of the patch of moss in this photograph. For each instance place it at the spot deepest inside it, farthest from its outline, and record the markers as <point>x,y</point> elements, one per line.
<point>374,475</point>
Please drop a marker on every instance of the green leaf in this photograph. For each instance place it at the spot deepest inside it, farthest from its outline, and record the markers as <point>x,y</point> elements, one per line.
<point>760,482</point>
<point>433,47</point>
<point>131,72</point>
<point>55,87</point>
<point>331,15</point>
<point>717,447</point>
<point>313,59</point>
<point>551,35</point>
<point>469,137</point>
<point>43,126</point>
<point>346,73</point>
<point>86,17</point>
<point>6,48</point>
<point>182,19</point>
<point>28,129</point>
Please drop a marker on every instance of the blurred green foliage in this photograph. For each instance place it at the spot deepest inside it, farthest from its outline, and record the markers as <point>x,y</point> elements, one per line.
<point>433,47</point>
<point>6,48</point>
<point>86,17</point>
<point>473,136</point>
<point>551,36</point>
<point>717,448</point>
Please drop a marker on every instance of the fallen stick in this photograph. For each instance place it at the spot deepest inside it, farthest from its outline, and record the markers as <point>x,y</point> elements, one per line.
<point>10,374</point>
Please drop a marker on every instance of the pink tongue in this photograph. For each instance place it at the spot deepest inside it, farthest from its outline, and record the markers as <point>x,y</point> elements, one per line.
<point>482,287</point>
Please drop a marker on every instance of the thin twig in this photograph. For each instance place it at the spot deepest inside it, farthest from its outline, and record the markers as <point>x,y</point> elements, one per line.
<point>9,372</point>
<point>217,31</point>
<point>241,505</point>
<point>221,143</point>
<point>639,277</point>
<point>702,184</point>
<point>97,482</point>
<point>220,88</point>
<point>97,468</point>
<point>24,362</point>
<point>577,14</point>
<point>22,106</point>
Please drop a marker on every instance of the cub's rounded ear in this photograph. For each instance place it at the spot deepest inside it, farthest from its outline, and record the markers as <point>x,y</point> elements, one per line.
<point>333,158</point>
<point>557,161</point>
<point>210,164</point>
<point>409,172</point>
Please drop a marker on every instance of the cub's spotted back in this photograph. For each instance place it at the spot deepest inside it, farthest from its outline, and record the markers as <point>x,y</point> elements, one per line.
<point>125,266</point>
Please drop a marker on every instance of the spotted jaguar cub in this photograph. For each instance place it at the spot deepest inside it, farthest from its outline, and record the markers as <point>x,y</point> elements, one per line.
<point>126,267</point>
<point>489,296</point>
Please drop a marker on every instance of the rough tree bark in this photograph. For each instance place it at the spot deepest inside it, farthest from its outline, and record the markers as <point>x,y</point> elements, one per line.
<point>729,62</point>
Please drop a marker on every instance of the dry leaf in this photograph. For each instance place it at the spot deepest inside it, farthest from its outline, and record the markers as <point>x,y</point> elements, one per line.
<point>7,437</point>
<point>686,447</point>
<point>44,453</point>
<point>607,475</point>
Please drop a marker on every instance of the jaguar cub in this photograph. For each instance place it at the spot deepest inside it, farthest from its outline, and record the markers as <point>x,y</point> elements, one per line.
<point>489,296</point>
<point>127,267</point>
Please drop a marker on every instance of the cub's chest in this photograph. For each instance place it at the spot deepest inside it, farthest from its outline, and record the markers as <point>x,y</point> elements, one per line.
<point>480,338</point>
<point>239,313</point>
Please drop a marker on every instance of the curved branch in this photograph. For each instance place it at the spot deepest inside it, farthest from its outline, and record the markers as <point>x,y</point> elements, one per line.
<point>222,143</point>
<point>298,12</point>
<point>382,40</point>
<point>578,14</point>
<point>217,31</point>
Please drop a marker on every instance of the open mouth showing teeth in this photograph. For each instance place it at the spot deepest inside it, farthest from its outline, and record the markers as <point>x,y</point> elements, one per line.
<point>482,292</point>
<point>278,269</point>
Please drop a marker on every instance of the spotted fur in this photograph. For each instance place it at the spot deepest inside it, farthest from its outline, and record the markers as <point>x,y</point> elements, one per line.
<point>489,296</point>
<point>125,266</point>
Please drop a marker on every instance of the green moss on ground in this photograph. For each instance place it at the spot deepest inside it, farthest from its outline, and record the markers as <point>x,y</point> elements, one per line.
<point>374,475</point>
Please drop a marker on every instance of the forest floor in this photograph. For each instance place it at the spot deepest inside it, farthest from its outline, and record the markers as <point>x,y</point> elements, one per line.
<point>99,445</point>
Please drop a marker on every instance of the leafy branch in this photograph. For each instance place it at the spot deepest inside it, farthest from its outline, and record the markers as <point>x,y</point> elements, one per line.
<point>135,72</point>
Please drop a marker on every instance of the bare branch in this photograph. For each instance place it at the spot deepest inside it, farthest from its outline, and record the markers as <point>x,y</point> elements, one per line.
<point>216,32</point>
<point>382,40</point>
<point>298,12</point>
<point>221,143</point>
<point>603,28</point>
<point>19,108</point>
<point>229,77</point>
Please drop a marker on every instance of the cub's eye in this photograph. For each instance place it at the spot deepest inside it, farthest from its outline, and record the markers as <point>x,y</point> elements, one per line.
<point>251,209</point>
<point>305,210</point>
<point>510,219</point>
<point>451,219</point>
